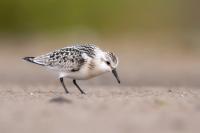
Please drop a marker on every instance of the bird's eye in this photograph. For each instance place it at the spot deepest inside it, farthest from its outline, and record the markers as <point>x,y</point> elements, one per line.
<point>107,62</point>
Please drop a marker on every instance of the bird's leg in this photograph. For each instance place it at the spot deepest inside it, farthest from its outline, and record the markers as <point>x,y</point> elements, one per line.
<point>82,92</point>
<point>63,84</point>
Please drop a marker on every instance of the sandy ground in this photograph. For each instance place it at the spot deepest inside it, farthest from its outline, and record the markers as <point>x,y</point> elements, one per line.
<point>108,109</point>
<point>159,93</point>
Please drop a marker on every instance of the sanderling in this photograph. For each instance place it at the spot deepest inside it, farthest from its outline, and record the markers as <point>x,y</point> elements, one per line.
<point>78,62</point>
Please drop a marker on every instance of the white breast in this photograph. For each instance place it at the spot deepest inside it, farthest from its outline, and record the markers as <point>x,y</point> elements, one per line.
<point>85,72</point>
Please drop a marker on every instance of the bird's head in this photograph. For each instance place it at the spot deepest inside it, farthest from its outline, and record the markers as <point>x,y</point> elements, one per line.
<point>110,61</point>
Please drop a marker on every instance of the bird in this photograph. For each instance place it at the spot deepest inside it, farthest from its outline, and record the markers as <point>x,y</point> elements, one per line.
<point>78,62</point>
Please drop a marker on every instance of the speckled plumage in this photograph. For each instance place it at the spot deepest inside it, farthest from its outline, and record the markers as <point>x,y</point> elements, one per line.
<point>68,58</point>
<point>78,62</point>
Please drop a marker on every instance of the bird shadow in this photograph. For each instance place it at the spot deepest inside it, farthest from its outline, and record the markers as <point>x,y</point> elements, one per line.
<point>60,100</point>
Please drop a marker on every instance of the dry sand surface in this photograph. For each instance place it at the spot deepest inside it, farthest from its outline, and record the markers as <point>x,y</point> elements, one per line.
<point>159,93</point>
<point>104,109</point>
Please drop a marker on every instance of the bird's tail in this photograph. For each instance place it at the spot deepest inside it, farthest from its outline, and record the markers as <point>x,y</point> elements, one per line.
<point>31,59</point>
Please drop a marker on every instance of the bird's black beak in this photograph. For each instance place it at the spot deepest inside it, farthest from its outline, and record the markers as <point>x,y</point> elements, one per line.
<point>114,71</point>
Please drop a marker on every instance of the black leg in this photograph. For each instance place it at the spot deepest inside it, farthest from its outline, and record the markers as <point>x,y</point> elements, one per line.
<point>63,84</point>
<point>82,92</point>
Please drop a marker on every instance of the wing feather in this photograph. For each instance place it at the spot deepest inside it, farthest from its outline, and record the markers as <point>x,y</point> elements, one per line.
<point>65,59</point>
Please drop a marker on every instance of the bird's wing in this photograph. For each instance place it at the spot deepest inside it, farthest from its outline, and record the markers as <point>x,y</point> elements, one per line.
<point>88,49</point>
<point>66,59</point>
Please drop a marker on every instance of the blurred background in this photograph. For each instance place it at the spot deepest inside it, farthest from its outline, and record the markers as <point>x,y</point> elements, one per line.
<point>157,41</point>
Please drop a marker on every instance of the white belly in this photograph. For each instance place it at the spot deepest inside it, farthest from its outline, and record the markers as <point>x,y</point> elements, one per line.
<point>84,73</point>
<point>81,75</point>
